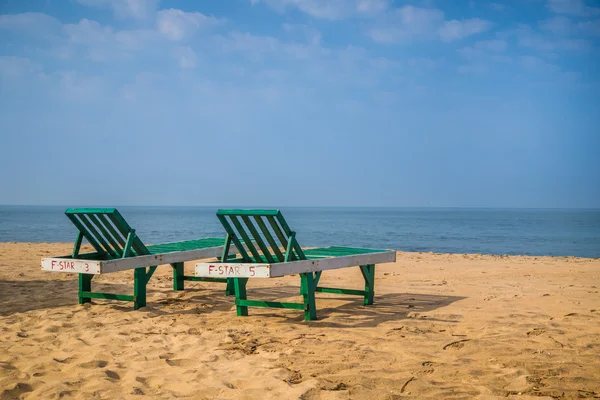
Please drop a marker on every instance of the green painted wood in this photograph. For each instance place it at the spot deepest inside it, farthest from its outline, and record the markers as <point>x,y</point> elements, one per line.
<point>90,210</point>
<point>244,236</point>
<point>248,212</point>
<point>139,288</point>
<point>267,234</point>
<point>107,296</point>
<point>310,305</point>
<point>118,236</point>
<point>289,249</point>
<point>203,279</point>
<point>269,304</point>
<point>239,285</point>
<point>368,272</point>
<point>234,238</point>
<point>339,251</point>
<point>109,238</point>
<point>129,243</point>
<point>178,276</point>
<point>150,272</point>
<point>185,245</point>
<point>340,291</point>
<point>275,226</point>
<point>85,285</point>
<point>258,239</point>
<point>77,245</point>
<point>87,222</point>
<point>123,227</point>
<point>88,236</point>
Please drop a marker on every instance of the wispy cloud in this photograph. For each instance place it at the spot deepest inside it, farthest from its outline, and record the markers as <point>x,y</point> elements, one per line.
<point>176,24</point>
<point>573,7</point>
<point>456,30</point>
<point>410,22</point>
<point>138,9</point>
<point>329,9</point>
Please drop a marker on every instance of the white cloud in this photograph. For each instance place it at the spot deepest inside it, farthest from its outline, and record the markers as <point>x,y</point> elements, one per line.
<point>527,37</point>
<point>176,24</point>
<point>492,45</point>
<point>186,57</point>
<point>409,23</point>
<point>18,66</point>
<point>138,9</point>
<point>564,26</point>
<point>497,6</point>
<point>306,32</point>
<point>88,32</point>
<point>456,30</point>
<point>572,7</point>
<point>29,21</point>
<point>329,9</point>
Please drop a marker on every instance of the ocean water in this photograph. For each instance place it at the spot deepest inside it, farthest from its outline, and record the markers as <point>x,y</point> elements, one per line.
<point>444,230</point>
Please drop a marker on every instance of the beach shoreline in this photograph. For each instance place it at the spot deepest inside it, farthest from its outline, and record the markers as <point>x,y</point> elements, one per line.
<point>443,325</point>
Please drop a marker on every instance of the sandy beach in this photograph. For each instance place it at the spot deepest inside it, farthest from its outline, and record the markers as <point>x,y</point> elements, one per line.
<point>443,326</point>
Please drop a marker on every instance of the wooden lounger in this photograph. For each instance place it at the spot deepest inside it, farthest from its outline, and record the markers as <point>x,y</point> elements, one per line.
<point>117,248</point>
<point>266,234</point>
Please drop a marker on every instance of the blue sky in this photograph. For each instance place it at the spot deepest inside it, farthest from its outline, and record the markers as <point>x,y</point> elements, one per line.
<point>300,102</point>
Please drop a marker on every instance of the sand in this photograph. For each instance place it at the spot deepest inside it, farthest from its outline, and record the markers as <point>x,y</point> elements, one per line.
<point>443,326</point>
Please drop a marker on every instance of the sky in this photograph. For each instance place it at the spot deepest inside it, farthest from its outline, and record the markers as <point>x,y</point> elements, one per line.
<point>414,103</point>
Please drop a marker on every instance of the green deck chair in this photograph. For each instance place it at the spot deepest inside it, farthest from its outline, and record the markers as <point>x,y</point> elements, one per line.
<point>275,251</point>
<point>117,248</point>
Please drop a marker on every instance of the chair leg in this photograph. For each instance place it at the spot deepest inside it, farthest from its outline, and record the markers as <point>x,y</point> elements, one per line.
<point>239,285</point>
<point>230,288</point>
<point>85,285</point>
<point>139,288</point>
<point>307,283</point>
<point>178,272</point>
<point>369,275</point>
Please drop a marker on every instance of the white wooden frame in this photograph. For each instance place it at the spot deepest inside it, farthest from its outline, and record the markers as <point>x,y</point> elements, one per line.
<point>78,265</point>
<point>252,270</point>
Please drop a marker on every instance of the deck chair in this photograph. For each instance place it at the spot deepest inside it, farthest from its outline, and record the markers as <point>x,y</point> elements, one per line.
<point>118,247</point>
<point>273,251</point>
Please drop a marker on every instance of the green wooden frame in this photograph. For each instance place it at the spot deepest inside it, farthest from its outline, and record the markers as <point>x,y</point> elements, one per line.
<point>110,235</point>
<point>266,232</point>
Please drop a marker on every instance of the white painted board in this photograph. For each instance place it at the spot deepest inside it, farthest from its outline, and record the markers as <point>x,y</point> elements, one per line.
<point>249,270</point>
<point>235,270</point>
<point>71,265</point>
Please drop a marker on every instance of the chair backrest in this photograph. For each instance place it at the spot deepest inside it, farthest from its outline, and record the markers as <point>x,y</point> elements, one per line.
<point>107,231</point>
<point>264,232</point>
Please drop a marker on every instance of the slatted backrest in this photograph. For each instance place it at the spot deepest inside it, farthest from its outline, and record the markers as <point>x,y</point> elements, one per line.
<point>264,232</point>
<point>107,231</point>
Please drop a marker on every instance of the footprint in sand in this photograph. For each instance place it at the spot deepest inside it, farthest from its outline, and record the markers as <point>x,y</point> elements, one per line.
<point>536,332</point>
<point>459,344</point>
<point>94,364</point>
<point>67,360</point>
<point>182,362</point>
<point>111,375</point>
<point>16,392</point>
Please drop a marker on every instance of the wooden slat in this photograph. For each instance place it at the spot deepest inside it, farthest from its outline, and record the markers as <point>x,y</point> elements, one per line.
<point>120,239</point>
<point>247,212</point>
<point>269,237</point>
<point>104,230</point>
<point>89,237</point>
<point>89,224</point>
<point>259,240</point>
<point>244,236</point>
<point>234,238</point>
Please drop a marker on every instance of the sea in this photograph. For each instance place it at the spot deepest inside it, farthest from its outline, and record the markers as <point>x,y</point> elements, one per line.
<point>535,232</point>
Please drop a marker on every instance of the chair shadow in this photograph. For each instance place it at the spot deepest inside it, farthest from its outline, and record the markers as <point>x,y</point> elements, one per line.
<point>18,296</point>
<point>353,313</point>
